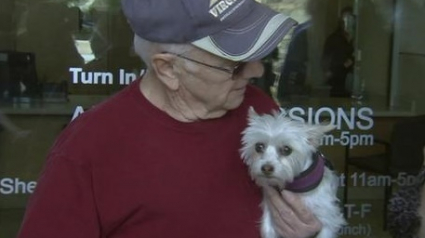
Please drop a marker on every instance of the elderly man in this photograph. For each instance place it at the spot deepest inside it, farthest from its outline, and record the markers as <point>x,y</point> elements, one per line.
<point>161,157</point>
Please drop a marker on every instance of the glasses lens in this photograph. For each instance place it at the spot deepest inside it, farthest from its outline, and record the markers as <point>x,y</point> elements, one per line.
<point>239,68</point>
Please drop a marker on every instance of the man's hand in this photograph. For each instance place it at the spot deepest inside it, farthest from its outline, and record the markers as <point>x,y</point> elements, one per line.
<point>291,217</point>
<point>348,63</point>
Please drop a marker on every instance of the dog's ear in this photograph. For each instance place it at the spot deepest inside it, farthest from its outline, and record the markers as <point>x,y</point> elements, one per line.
<point>251,112</point>
<point>316,132</point>
<point>325,128</point>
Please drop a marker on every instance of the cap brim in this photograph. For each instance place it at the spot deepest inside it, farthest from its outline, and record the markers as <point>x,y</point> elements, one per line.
<point>251,39</point>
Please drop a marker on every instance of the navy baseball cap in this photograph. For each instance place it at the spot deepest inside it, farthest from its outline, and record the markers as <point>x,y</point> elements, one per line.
<point>238,30</point>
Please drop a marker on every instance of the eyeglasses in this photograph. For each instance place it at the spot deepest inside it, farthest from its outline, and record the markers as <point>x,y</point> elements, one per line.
<point>232,70</point>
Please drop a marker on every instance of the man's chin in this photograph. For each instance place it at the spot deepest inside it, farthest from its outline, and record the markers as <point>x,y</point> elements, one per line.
<point>233,104</point>
<point>234,101</point>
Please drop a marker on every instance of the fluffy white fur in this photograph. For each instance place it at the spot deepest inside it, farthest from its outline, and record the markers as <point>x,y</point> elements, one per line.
<point>277,149</point>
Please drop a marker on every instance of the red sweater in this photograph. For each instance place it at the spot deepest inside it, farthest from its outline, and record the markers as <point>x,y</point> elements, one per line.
<point>124,169</point>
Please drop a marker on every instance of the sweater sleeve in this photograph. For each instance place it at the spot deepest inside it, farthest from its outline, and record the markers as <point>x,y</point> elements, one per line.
<point>63,204</point>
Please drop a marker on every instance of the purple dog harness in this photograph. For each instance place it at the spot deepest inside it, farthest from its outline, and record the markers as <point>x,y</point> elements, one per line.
<point>310,178</point>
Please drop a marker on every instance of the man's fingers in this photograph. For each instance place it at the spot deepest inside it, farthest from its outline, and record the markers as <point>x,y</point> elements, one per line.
<point>290,216</point>
<point>289,206</point>
<point>280,207</point>
<point>278,203</point>
<point>295,203</point>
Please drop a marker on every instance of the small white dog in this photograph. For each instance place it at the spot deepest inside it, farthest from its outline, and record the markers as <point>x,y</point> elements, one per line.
<point>283,153</point>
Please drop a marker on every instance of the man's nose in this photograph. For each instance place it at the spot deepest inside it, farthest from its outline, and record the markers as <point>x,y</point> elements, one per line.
<point>252,69</point>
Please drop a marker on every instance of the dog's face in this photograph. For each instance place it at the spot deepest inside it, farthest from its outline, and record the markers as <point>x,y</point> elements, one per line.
<point>277,149</point>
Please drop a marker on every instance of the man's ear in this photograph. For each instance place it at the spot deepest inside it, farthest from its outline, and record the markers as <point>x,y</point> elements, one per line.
<point>163,66</point>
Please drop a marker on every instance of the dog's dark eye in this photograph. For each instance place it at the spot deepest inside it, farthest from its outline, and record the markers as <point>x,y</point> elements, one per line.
<point>259,147</point>
<point>285,150</point>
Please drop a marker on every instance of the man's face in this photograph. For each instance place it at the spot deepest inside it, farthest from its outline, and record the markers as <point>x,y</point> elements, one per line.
<point>214,90</point>
<point>349,23</point>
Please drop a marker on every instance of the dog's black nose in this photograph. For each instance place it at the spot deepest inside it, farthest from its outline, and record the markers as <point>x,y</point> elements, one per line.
<point>267,169</point>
